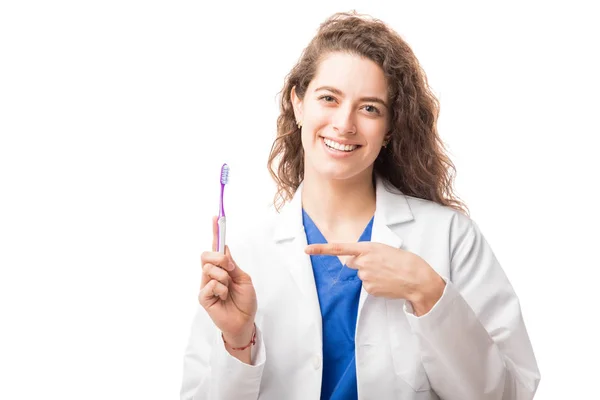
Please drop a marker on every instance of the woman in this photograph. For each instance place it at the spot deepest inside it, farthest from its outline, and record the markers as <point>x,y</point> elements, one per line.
<point>416,308</point>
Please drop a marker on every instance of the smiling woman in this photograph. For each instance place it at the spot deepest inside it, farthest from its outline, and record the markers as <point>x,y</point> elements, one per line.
<point>345,117</point>
<point>383,80</point>
<point>371,282</point>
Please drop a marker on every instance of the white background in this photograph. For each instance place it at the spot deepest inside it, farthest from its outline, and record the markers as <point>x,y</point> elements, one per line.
<point>115,117</point>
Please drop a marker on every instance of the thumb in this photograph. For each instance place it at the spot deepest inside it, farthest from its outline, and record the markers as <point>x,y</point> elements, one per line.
<point>351,262</point>
<point>233,269</point>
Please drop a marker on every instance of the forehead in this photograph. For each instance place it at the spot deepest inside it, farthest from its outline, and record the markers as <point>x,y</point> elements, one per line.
<point>352,74</point>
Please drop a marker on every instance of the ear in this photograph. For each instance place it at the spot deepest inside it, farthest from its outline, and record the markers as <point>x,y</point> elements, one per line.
<point>387,139</point>
<point>297,104</point>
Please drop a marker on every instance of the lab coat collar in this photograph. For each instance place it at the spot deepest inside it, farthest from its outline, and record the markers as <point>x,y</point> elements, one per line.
<point>391,208</point>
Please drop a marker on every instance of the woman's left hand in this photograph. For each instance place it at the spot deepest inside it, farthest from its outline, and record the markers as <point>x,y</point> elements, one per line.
<point>389,272</point>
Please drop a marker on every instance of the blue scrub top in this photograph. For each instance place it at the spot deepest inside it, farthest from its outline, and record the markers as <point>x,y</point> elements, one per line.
<point>338,288</point>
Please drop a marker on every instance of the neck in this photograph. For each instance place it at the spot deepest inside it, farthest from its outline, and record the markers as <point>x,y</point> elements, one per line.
<point>335,202</point>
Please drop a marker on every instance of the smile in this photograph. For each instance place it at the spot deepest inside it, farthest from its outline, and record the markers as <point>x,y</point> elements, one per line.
<point>339,146</point>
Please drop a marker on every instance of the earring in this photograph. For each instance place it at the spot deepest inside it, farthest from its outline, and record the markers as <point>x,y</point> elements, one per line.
<point>386,142</point>
<point>299,123</point>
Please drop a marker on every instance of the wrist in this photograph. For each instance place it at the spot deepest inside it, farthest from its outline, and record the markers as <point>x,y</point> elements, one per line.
<point>427,295</point>
<point>241,339</point>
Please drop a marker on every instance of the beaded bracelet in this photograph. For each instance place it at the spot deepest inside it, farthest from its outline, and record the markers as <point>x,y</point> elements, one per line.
<point>252,341</point>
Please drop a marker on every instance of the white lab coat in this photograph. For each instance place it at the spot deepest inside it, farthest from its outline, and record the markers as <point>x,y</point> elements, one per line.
<point>472,345</point>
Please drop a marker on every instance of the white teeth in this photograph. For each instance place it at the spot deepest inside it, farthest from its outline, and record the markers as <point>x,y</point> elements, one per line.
<point>339,146</point>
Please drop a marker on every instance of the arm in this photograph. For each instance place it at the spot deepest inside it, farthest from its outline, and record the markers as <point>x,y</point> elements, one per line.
<point>473,342</point>
<point>211,372</point>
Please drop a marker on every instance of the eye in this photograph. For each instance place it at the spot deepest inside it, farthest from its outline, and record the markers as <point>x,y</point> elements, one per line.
<point>327,98</point>
<point>371,109</point>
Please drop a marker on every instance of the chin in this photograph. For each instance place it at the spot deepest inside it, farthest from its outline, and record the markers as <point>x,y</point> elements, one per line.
<point>340,174</point>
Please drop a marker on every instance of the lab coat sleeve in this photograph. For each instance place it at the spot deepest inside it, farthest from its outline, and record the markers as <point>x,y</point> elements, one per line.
<point>211,373</point>
<point>473,342</point>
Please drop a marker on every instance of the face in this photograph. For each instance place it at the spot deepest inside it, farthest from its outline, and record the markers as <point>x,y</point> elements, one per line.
<point>344,116</point>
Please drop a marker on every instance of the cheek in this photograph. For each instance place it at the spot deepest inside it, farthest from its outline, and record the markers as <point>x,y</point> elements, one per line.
<point>308,138</point>
<point>303,137</point>
<point>317,116</point>
<point>375,134</point>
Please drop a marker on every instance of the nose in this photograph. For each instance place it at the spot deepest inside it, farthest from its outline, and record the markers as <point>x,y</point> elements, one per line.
<point>343,121</point>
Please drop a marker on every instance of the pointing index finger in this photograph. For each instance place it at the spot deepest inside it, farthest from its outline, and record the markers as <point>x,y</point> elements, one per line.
<point>335,249</point>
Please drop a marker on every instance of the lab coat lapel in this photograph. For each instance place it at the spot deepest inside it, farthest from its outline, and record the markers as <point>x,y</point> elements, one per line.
<point>291,241</point>
<point>391,208</point>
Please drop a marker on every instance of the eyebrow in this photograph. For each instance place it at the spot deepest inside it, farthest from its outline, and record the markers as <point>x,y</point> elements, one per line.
<point>339,93</point>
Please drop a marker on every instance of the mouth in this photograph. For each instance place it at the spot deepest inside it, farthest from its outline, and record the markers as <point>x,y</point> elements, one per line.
<point>339,147</point>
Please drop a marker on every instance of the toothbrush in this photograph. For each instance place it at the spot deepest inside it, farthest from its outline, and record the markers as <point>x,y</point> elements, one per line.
<point>221,219</point>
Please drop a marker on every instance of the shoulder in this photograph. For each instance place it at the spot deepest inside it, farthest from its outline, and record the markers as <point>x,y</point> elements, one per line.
<point>437,217</point>
<point>430,210</point>
<point>449,229</point>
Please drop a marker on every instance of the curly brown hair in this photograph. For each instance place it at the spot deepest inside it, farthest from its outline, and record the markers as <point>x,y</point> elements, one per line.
<point>414,161</point>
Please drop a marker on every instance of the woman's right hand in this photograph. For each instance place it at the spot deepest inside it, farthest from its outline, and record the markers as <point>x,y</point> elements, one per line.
<point>227,295</point>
